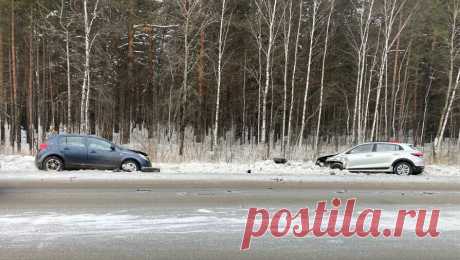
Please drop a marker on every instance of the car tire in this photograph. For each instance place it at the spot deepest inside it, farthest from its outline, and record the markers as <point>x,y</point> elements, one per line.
<point>130,166</point>
<point>336,165</point>
<point>403,168</point>
<point>53,163</point>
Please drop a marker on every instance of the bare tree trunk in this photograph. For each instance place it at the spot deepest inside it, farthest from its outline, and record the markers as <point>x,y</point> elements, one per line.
<point>425,107</point>
<point>259,75</point>
<point>294,68</point>
<point>310,54</point>
<point>243,136</point>
<point>271,15</point>
<point>362,57</point>
<point>2,93</point>
<point>69,94</point>
<point>188,9</point>
<point>65,27</point>
<point>202,88</point>
<point>30,125</point>
<point>323,67</point>
<point>287,38</point>
<point>450,94</point>
<point>222,39</point>
<point>391,11</point>
<point>14,106</point>
<point>374,63</point>
<point>85,93</point>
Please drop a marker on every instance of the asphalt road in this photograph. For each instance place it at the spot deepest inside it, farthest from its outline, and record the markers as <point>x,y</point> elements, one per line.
<point>200,223</point>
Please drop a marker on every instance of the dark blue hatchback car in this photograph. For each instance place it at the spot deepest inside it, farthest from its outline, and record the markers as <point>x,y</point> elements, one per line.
<point>88,152</point>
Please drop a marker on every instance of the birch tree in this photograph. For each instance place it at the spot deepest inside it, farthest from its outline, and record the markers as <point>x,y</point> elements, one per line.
<point>268,12</point>
<point>364,25</point>
<point>65,27</point>
<point>30,124</point>
<point>2,93</point>
<point>293,76</point>
<point>314,18</point>
<point>287,24</point>
<point>323,68</point>
<point>223,30</point>
<point>256,32</point>
<point>15,132</point>
<point>452,86</point>
<point>189,10</point>
<point>392,9</point>
<point>86,86</point>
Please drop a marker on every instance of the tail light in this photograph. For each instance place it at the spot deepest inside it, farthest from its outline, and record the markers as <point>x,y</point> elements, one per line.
<point>42,147</point>
<point>418,154</point>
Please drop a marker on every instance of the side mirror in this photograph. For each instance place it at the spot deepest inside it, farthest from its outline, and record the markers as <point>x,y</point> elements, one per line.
<point>112,148</point>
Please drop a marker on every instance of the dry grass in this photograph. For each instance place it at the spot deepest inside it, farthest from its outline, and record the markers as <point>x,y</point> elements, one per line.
<point>164,149</point>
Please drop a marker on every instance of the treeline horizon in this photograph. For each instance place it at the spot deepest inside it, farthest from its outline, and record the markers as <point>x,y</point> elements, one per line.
<point>266,71</point>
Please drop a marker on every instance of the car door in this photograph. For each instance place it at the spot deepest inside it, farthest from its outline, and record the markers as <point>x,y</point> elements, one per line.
<point>385,154</point>
<point>360,157</point>
<point>102,154</point>
<point>74,150</point>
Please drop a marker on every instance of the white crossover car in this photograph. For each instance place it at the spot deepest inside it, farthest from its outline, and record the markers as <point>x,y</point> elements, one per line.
<point>399,158</point>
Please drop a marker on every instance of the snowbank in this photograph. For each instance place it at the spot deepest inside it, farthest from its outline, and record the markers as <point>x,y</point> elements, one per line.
<point>18,165</point>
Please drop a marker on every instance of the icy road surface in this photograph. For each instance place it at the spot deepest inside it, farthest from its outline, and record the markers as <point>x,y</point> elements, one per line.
<point>203,224</point>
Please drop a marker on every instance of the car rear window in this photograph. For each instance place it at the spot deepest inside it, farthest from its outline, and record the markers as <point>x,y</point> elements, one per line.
<point>388,147</point>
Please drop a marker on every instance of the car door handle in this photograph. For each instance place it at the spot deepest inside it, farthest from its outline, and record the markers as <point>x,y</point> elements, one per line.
<point>368,155</point>
<point>66,149</point>
<point>93,151</point>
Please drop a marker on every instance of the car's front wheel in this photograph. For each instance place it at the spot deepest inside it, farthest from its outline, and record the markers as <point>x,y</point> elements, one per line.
<point>336,165</point>
<point>403,168</point>
<point>130,166</point>
<point>53,163</point>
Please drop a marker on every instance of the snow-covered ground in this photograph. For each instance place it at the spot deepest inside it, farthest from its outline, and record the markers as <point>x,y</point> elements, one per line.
<point>18,166</point>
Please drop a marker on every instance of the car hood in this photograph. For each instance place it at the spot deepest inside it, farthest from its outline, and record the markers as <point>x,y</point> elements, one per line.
<point>325,157</point>
<point>136,151</point>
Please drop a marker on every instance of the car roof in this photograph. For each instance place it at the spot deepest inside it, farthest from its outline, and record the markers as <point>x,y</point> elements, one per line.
<point>385,143</point>
<point>78,135</point>
<point>394,143</point>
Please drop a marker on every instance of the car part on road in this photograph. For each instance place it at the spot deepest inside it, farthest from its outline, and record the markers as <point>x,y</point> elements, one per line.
<point>280,160</point>
<point>53,163</point>
<point>150,169</point>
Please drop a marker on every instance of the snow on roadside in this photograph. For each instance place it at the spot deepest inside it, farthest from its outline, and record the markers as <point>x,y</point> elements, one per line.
<point>19,165</point>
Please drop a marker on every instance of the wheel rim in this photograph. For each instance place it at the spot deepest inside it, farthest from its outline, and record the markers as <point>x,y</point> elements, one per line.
<point>53,164</point>
<point>403,169</point>
<point>129,166</point>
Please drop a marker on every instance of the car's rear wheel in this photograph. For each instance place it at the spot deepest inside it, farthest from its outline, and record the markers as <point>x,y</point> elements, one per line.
<point>403,168</point>
<point>130,166</point>
<point>53,163</point>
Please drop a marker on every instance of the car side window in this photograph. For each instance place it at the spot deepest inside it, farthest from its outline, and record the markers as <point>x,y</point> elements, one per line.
<point>387,148</point>
<point>97,144</point>
<point>365,148</point>
<point>74,141</point>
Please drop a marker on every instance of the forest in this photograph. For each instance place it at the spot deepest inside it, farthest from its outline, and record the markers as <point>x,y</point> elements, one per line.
<point>281,75</point>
